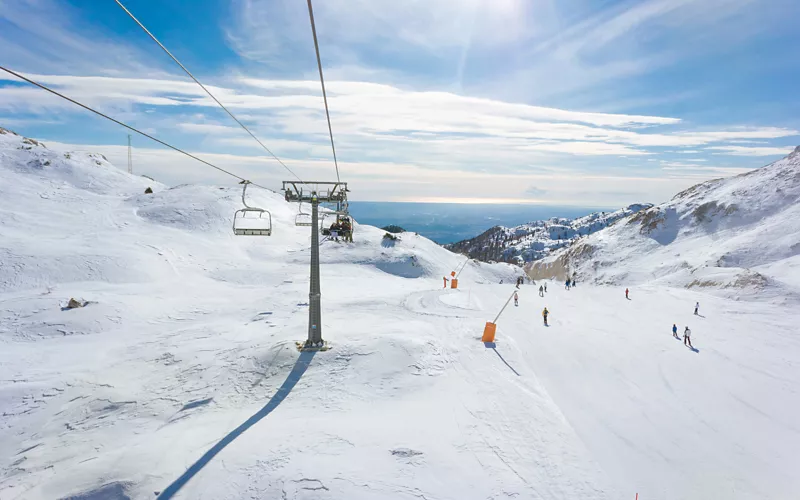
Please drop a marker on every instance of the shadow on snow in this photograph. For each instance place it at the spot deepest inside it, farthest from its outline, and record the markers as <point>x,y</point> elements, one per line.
<point>493,346</point>
<point>300,367</point>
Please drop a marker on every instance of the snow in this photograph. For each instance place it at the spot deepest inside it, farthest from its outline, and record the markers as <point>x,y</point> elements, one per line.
<point>183,363</point>
<point>739,236</point>
<point>539,239</point>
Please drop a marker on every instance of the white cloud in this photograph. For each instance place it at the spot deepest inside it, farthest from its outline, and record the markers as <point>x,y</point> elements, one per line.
<point>752,151</point>
<point>377,123</point>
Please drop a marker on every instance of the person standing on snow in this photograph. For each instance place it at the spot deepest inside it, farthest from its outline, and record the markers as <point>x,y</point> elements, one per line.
<point>545,313</point>
<point>696,308</point>
<point>545,287</point>
<point>626,294</point>
<point>687,337</point>
<point>675,331</point>
<point>541,291</point>
<point>566,284</point>
<point>516,299</point>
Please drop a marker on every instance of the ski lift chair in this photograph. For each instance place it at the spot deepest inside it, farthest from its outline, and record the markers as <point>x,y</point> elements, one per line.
<point>251,221</point>
<point>303,218</point>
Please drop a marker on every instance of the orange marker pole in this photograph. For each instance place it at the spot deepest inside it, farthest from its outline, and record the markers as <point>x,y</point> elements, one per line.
<point>491,326</point>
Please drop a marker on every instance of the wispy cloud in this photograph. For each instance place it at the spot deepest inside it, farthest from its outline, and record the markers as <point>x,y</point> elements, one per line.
<point>50,36</point>
<point>752,151</point>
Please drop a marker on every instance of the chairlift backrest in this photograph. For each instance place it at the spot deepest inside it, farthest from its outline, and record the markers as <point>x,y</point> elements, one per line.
<point>302,219</point>
<point>251,221</point>
<point>257,223</point>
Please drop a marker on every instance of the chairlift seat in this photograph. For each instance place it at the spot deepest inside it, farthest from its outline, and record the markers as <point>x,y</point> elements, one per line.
<point>252,222</point>
<point>302,219</point>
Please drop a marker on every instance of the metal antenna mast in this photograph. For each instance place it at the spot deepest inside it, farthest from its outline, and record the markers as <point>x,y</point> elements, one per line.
<point>130,156</point>
<point>314,194</point>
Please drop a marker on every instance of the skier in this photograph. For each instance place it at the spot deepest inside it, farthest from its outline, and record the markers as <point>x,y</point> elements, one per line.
<point>566,284</point>
<point>675,331</point>
<point>545,287</point>
<point>545,312</point>
<point>541,291</point>
<point>573,283</point>
<point>687,337</point>
<point>696,308</point>
<point>518,283</point>
<point>516,299</point>
<point>626,294</point>
<point>445,282</point>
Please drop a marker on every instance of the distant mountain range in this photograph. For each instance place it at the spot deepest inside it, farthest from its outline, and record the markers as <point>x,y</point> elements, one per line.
<point>737,234</point>
<point>538,239</point>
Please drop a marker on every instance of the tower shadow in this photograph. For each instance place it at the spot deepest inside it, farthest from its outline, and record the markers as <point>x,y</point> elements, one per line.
<point>299,368</point>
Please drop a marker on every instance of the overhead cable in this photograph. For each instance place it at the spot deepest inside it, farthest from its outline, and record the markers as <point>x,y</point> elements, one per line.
<point>206,90</point>
<point>43,87</point>
<point>322,82</point>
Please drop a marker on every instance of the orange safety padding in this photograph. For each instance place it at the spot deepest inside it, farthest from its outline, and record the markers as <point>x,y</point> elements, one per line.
<point>488,332</point>
<point>453,274</point>
<point>453,283</point>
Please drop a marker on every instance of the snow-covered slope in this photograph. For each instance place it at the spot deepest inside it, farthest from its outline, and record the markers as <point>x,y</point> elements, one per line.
<point>181,377</point>
<point>741,233</point>
<point>538,239</point>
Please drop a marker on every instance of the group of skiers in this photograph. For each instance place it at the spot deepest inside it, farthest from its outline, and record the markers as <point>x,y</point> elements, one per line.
<point>570,282</point>
<point>687,333</point>
<point>342,227</point>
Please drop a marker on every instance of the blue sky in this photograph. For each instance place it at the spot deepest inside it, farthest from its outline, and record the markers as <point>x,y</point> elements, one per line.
<point>563,102</point>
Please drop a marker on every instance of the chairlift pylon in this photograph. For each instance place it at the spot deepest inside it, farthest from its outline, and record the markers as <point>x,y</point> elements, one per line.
<point>251,221</point>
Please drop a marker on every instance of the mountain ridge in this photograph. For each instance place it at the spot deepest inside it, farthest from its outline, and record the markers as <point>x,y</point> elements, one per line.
<point>536,239</point>
<point>737,233</point>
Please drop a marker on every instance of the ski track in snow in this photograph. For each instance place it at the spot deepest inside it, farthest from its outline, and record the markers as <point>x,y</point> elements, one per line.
<point>188,345</point>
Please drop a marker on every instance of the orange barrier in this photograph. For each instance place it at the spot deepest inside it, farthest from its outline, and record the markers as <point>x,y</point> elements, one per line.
<point>488,332</point>
<point>454,283</point>
<point>453,274</point>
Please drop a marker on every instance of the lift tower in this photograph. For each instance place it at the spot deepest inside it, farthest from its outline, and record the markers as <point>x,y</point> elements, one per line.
<point>315,193</point>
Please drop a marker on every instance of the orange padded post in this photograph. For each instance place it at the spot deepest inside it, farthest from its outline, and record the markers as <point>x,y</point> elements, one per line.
<point>453,274</point>
<point>454,283</point>
<point>488,332</point>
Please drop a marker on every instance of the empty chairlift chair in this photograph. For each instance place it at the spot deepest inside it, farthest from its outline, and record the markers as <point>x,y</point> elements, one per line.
<point>303,218</point>
<point>251,221</point>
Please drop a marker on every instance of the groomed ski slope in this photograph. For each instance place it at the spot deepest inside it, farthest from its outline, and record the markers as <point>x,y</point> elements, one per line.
<point>190,334</point>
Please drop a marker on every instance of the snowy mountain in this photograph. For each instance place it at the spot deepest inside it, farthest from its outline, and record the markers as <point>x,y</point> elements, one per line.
<point>740,233</point>
<point>536,240</point>
<point>180,377</point>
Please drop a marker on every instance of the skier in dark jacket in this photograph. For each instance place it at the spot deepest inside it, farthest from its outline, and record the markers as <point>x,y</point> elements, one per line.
<point>675,331</point>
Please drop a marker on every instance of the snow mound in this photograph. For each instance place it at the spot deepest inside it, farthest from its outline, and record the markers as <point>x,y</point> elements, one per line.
<point>88,171</point>
<point>725,233</point>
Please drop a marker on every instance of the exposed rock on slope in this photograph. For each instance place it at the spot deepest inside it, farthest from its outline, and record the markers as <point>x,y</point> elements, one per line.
<point>740,232</point>
<point>535,240</point>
